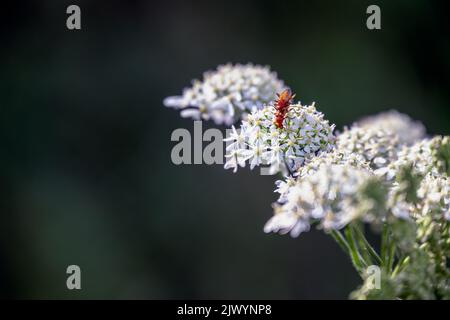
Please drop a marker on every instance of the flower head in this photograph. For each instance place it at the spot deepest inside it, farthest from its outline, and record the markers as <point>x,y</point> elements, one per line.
<point>428,155</point>
<point>434,193</point>
<point>332,196</point>
<point>407,130</point>
<point>377,146</point>
<point>336,156</point>
<point>304,134</point>
<point>228,93</point>
<point>315,163</point>
<point>432,196</point>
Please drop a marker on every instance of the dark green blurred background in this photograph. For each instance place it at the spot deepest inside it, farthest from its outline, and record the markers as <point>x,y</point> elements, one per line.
<point>85,170</point>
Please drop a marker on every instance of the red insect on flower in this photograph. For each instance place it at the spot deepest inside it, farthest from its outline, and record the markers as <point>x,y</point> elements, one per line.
<point>282,106</point>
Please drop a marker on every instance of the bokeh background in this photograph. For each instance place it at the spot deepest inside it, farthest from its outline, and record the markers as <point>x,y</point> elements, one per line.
<point>85,170</point>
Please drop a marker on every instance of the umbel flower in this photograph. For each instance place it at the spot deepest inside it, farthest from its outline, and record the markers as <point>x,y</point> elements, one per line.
<point>379,147</point>
<point>333,157</point>
<point>227,94</point>
<point>336,156</point>
<point>332,197</point>
<point>434,195</point>
<point>304,134</point>
<point>421,242</point>
<point>428,155</point>
<point>407,130</point>
<point>416,194</point>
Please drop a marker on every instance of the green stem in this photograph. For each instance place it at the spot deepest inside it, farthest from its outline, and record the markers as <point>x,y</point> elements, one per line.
<point>384,241</point>
<point>387,250</point>
<point>357,260</point>
<point>366,246</point>
<point>400,266</point>
<point>391,256</point>
<point>340,239</point>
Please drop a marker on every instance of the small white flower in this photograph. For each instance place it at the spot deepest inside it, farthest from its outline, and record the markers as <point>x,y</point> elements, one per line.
<point>286,222</point>
<point>257,154</point>
<point>235,158</point>
<point>283,187</point>
<point>237,138</point>
<point>227,94</point>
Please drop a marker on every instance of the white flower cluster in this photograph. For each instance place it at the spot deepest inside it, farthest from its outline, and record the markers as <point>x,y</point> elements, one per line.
<point>304,135</point>
<point>358,151</point>
<point>311,166</point>
<point>407,130</point>
<point>228,93</point>
<point>370,150</point>
<point>434,193</point>
<point>433,199</point>
<point>377,146</point>
<point>422,155</point>
<point>381,171</point>
<point>331,196</point>
<point>428,163</point>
